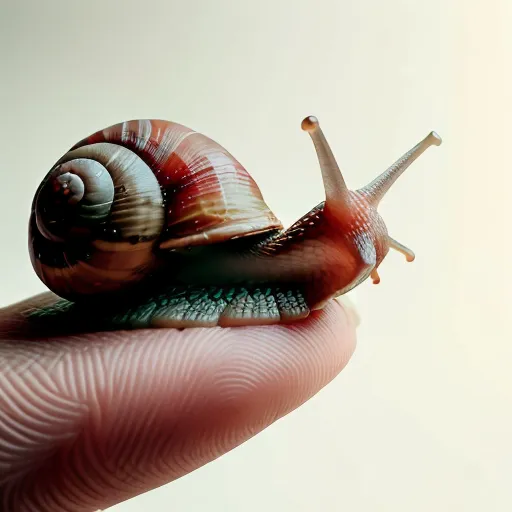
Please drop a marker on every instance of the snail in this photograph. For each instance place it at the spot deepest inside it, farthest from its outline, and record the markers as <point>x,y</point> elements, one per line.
<point>164,224</point>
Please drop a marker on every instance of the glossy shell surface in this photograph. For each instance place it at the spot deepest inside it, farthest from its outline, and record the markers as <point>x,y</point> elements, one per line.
<point>209,196</point>
<point>128,194</point>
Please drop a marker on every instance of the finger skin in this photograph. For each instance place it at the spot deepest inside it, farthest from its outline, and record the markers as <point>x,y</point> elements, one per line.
<point>91,420</point>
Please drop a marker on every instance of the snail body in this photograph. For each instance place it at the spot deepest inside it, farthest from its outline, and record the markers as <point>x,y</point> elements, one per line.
<point>164,220</point>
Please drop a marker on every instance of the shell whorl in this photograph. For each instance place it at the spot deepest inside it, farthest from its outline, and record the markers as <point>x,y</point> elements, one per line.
<point>95,221</point>
<point>80,189</point>
<point>123,189</point>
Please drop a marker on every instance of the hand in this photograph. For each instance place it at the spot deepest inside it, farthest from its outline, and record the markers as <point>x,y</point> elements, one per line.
<point>90,420</point>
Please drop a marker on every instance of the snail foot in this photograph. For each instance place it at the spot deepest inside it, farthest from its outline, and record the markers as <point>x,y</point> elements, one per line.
<point>180,307</point>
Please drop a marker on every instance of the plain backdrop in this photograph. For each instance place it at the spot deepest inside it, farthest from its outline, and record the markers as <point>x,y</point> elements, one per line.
<point>421,418</point>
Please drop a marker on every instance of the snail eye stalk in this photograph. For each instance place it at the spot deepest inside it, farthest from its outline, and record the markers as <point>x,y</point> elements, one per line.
<point>336,191</point>
<point>377,189</point>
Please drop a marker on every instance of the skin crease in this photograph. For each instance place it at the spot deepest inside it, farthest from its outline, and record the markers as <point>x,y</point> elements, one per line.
<point>90,420</point>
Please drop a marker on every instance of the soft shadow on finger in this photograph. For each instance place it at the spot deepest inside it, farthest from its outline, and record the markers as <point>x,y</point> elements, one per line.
<point>87,421</point>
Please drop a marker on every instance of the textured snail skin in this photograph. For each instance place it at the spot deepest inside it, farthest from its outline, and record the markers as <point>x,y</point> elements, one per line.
<point>148,223</point>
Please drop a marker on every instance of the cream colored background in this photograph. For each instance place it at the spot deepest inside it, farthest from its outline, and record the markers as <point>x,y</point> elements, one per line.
<point>421,418</point>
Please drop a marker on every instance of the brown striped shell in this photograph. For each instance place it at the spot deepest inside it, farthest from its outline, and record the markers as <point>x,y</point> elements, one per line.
<point>208,194</point>
<point>125,192</point>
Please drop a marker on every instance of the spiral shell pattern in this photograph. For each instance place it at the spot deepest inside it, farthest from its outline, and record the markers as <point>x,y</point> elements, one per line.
<point>209,196</point>
<point>118,197</point>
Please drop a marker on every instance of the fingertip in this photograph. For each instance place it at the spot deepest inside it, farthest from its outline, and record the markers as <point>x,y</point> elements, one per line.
<point>185,397</point>
<point>350,309</point>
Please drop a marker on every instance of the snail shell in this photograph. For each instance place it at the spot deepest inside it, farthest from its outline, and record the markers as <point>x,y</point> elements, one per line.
<point>123,194</point>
